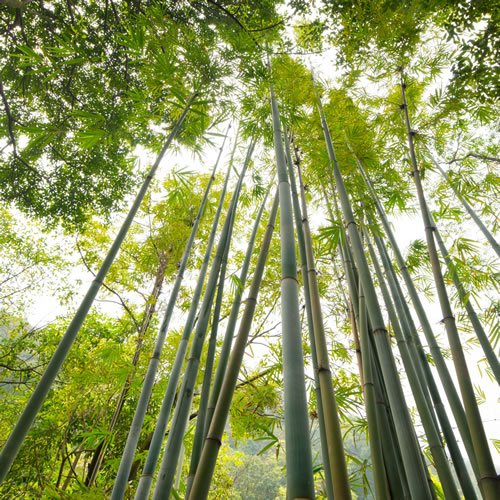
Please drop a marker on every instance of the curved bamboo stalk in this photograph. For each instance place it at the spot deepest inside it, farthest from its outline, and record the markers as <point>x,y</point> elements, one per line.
<point>487,234</point>
<point>335,443</point>
<point>122,475</point>
<point>488,476</point>
<point>18,434</point>
<point>206,466</point>
<point>300,482</point>
<point>409,447</point>
<point>174,441</point>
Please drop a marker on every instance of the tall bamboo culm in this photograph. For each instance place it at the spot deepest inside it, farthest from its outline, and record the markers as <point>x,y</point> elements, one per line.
<point>442,368</point>
<point>489,480</point>
<point>120,485</point>
<point>487,234</point>
<point>300,482</point>
<point>175,373</point>
<point>340,478</point>
<point>18,434</point>
<point>202,418</point>
<point>297,213</point>
<point>208,459</point>
<point>409,447</point>
<point>427,419</point>
<point>170,458</point>
<point>471,312</point>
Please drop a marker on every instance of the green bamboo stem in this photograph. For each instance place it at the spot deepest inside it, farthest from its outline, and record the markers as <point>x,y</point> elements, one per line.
<point>18,434</point>
<point>409,446</point>
<point>417,353</point>
<point>442,368</point>
<point>487,234</point>
<point>335,442</point>
<point>175,373</point>
<point>471,313</point>
<point>381,487</point>
<point>208,459</point>
<point>300,482</point>
<point>207,377</point>
<point>488,476</point>
<point>307,299</point>
<point>428,422</point>
<point>174,441</point>
<point>231,325</point>
<point>202,422</point>
<point>121,480</point>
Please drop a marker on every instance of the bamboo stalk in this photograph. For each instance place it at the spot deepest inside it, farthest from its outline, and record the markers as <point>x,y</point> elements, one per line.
<point>300,482</point>
<point>409,447</point>
<point>446,380</point>
<point>174,441</point>
<point>487,234</point>
<point>168,399</point>
<point>488,476</point>
<point>126,461</point>
<point>335,443</point>
<point>307,299</point>
<point>428,422</point>
<point>471,313</point>
<point>202,419</point>
<point>206,466</point>
<point>18,434</point>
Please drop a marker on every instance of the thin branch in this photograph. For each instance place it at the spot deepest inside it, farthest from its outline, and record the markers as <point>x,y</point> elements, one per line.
<point>109,289</point>
<point>475,155</point>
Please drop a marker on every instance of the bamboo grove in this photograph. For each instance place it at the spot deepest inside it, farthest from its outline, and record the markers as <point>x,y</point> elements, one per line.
<point>296,314</point>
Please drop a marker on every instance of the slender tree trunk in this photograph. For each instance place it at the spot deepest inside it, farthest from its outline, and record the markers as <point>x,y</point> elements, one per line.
<point>100,451</point>
<point>471,313</point>
<point>126,462</point>
<point>206,466</point>
<point>488,476</point>
<point>300,482</point>
<point>202,422</point>
<point>427,418</point>
<point>18,434</point>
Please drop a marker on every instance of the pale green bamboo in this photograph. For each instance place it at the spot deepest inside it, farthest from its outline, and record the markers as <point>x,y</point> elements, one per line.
<point>491,239</point>
<point>445,377</point>
<point>206,466</point>
<point>202,422</point>
<point>409,446</point>
<point>307,299</point>
<point>381,487</point>
<point>418,353</point>
<point>122,475</point>
<point>174,441</point>
<point>428,422</point>
<point>488,476</point>
<point>340,478</point>
<point>471,313</point>
<point>146,478</point>
<point>300,482</point>
<point>18,434</point>
<point>231,325</point>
